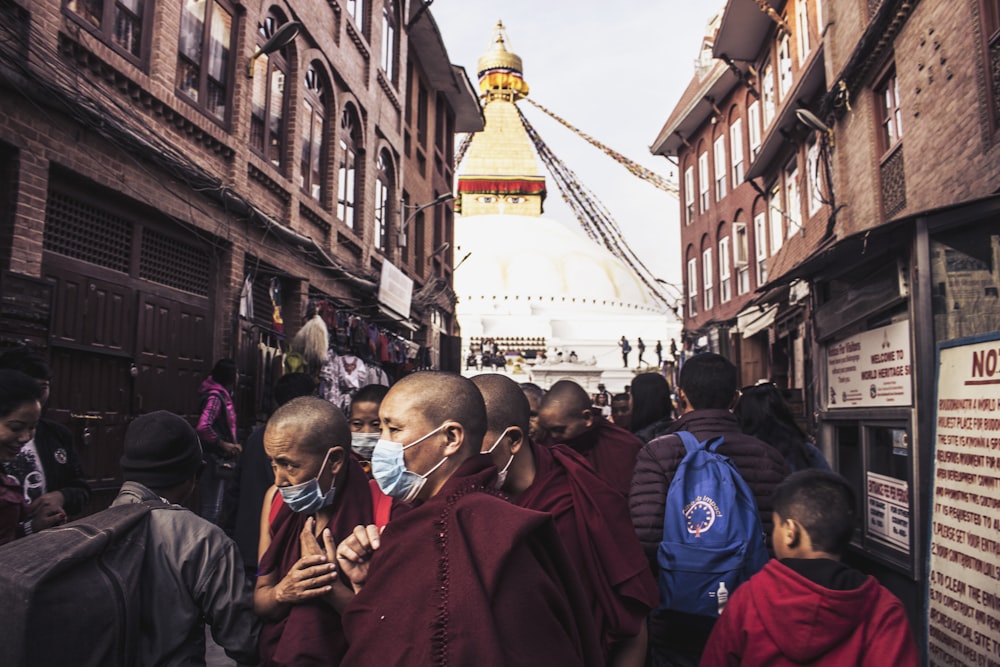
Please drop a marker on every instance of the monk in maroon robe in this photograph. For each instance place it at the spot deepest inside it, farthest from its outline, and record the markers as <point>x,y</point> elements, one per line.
<point>568,416</point>
<point>592,519</point>
<point>464,578</point>
<point>306,439</point>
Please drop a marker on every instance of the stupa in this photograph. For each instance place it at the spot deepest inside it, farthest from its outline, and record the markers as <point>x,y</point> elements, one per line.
<point>537,288</point>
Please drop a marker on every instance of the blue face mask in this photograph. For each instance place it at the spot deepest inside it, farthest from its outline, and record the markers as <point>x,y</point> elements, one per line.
<point>306,497</point>
<point>389,469</point>
<point>363,444</point>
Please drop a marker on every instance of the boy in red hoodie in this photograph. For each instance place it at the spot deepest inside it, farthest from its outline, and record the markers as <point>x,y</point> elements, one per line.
<point>806,607</point>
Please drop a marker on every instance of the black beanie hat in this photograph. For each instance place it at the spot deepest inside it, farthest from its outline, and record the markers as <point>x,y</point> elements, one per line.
<point>161,450</point>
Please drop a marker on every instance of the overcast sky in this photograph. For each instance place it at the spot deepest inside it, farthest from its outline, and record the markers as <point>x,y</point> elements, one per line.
<point>615,71</point>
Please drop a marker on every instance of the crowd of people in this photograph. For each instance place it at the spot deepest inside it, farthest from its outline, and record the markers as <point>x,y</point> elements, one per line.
<point>446,520</point>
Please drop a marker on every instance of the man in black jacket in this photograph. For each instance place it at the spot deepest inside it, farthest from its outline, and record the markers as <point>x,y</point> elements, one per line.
<point>707,389</point>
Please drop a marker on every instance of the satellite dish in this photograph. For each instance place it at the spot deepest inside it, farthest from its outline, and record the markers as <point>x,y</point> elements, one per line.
<point>809,119</point>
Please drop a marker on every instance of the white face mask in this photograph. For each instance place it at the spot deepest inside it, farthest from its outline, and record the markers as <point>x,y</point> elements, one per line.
<point>363,444</point>
<point>389,469</point>
<point>502,474</point>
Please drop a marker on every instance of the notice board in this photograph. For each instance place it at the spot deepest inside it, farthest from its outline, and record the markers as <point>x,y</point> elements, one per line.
<point>963,587</point>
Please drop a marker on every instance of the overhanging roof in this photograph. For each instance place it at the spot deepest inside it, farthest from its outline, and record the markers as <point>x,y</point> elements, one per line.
<point>810,83</point>
<point>694,109</point>
<point>743,29</point>
<point>426,41</point>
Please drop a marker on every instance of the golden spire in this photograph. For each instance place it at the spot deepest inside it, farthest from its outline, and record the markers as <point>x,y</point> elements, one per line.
<point>500,71</point>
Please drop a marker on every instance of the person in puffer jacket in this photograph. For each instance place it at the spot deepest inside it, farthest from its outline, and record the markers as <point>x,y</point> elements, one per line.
<point>806,607</point>
<point>707,388</point>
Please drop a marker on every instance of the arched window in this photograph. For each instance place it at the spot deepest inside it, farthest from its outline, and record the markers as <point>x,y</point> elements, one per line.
<point>350,161</point>
<point>313,124</point>
<point>267,103</point>
<point>384,185</point>
<point>390,41</point>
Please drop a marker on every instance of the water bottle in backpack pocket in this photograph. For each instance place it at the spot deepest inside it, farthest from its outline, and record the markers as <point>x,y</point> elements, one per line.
<point>713,539</point>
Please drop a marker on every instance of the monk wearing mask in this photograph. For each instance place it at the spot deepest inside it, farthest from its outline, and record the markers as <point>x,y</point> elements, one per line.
<point>592,520</point>
<point>465,577</point>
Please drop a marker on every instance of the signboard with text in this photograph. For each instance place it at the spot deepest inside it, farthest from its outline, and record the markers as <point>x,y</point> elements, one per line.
<point>889,510</point>
<point>871,369</point>
<point>395,290</point>
<point>964,573</point>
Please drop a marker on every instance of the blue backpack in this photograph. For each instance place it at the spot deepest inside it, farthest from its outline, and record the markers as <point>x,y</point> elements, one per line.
<point>713,539</point>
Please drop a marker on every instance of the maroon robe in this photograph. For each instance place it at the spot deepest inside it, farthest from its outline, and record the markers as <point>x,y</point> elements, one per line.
<point>611,451</point>
<point>311,634</point>
<point>467,578</point>
<point>594,524</point>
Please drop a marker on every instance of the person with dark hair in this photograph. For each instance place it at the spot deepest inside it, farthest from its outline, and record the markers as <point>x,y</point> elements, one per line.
<point>320,495</point>
<point>254,475</point>
<point>364,422</point>
<point>217,431</point>
<point>20,410</point>
<point>48,466</point>
<point>806,606</point>
<point>192,572</point>
<point>764,413</point>
<point>707,387</point>
<point>652,408</point>
<point>591,517</point>
<point>641,346</point>
<point>464,577</point>
<point>621,410</point>
<point>570,419</point>
<point>534,394</point>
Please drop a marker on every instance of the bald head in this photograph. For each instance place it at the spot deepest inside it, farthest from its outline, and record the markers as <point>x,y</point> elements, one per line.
<point>506,404</point>
<point>437,397</point>
<point>566,412</point>
<point>318,424</point>
<point>566,396</point>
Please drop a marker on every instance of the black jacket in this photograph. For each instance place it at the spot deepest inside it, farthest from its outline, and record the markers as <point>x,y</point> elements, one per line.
<point>60,463</point>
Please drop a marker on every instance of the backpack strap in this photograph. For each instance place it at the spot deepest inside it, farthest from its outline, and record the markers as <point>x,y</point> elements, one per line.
<point>381,504</point>
<point>691,443</point>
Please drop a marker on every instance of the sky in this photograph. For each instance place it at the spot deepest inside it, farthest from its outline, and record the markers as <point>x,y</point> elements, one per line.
<point>615,71</point>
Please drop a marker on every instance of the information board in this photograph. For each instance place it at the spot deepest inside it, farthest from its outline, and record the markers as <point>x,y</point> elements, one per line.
<point>889,510</point>
<point>964,574</point>
<point>870,369</point>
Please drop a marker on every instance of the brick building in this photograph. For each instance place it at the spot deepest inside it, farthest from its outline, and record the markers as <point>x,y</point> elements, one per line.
<point>875,190</point>
<point>180,179</point>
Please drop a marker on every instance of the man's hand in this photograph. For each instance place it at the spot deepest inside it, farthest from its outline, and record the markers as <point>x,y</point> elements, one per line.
<point>310,577</point>
<point>355,551</point>
<point>46,511</point>
<point>230,449</point>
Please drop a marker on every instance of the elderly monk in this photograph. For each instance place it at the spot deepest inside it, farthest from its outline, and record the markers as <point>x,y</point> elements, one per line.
<point>592,520</point>
<point>320,495</point>
<point>566,413</point>
<point>464,578</point>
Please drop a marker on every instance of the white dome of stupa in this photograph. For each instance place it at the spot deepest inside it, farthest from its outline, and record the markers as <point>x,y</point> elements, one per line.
<point>528,260</point>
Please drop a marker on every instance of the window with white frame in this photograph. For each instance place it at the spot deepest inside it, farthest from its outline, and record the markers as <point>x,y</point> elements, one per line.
<point>704,187</point>
<point>719,149</point>
<point>313,134</point>
<point>760,242</point>
<point>267,98</point>
<point>707,269</point>
<point>814,192</point>
<point>384,183</point>
<point>753,128</point>
<point>736,150</point>
<point>793,201</point>
<point>725,271</point>
<point>784,66</point>
<point>356,10</point>
<point>767,93</point>
<point>775,216</point>
<point>350,165</point>
<point>692,287</point>
<point>820,27</point>
<point>890,115</point>
<point>688,195</point>
<point>741,257</point>
<point>802,29</point>
<point>390,41</point>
